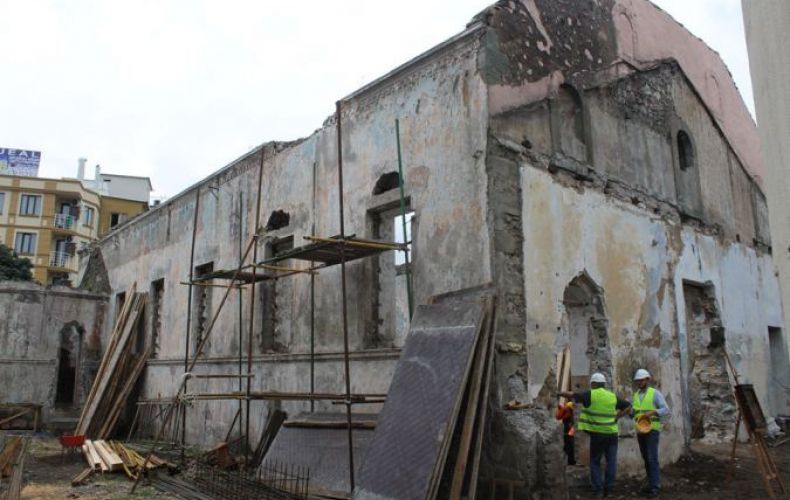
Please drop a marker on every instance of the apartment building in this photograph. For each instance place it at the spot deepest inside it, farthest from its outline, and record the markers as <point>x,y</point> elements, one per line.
<point>123,196</point>
<point>48,221</point>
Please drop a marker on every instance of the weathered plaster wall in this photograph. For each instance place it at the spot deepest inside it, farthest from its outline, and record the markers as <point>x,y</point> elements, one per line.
<point>440,102</point>
<point>620,211</point>
<point>640,261</point>
<point>33,319</point>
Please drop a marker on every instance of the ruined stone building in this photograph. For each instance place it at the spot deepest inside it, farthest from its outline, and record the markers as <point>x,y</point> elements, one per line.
<point>590,158</point>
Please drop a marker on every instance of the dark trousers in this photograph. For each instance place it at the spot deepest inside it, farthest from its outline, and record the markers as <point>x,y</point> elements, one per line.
<point>603,445</point>
<point>568,444</point>
<point>648,445</point>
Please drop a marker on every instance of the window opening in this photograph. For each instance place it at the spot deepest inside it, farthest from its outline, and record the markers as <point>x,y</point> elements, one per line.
<point>157,296</point>
<point>30,204</point>
<point>202,303</point>
<point>685,151</point>
<point>278,219</point>
<point>398,227</point>
<point>25,243</point>
<point>120,299</point>
<point>387,182</point>
<point>87,218</point>
<point>116,219</point>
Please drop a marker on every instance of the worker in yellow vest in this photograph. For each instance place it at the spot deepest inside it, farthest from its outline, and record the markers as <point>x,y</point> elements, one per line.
<point>598,418</point>
<point>649,403</point>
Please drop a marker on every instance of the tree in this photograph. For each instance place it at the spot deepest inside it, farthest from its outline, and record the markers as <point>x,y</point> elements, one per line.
<point>13,267</point>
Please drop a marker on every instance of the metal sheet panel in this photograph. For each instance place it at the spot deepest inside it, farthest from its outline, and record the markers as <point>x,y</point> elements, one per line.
<point>422,402</point>
<point>323,451</point>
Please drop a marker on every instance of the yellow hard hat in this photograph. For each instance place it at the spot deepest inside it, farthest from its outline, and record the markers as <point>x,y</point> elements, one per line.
<point>643,425</point>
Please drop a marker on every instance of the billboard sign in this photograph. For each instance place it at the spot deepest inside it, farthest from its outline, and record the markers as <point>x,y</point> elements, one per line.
<point>19,162</point>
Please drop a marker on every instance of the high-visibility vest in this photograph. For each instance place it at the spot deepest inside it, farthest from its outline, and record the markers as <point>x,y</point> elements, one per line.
<point>645,405</point>
<point>601,415</point>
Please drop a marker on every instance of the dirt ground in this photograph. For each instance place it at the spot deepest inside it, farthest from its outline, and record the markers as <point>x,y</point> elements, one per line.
<point>703,472</point>
<point>47,477</point>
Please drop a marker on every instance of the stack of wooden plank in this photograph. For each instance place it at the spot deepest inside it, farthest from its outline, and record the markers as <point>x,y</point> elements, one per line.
<point>111,456</point>
<point>12,462</point>
<point>429,435</point>
<point>118,372</point>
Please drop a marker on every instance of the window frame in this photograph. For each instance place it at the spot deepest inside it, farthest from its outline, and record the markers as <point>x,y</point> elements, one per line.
<point>89,221</point>
<point>399,256</point>
<point>33,242</point>
<point>23,206</point>
<point>2,202</point>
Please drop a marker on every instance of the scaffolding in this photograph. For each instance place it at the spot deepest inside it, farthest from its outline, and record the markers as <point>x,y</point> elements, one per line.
<point>320,253</point>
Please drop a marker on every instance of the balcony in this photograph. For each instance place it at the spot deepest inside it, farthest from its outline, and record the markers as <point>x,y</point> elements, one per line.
<point>61,260</point>
<point>65,222</point>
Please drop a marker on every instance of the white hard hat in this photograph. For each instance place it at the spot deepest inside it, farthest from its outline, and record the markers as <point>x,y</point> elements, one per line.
<point>641,374</point>
<point>598,378</point>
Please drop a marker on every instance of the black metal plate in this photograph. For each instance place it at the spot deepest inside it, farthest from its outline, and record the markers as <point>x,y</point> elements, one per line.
<point>323,451</point>
<point>423,397</point>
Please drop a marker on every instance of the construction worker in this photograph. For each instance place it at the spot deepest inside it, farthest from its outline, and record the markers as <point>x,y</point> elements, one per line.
<point>598,419</point>
<point>649,403</point>
<point>565,414</point>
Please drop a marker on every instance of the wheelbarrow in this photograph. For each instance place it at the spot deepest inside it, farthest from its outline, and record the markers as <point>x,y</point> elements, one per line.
<point>69,442</point>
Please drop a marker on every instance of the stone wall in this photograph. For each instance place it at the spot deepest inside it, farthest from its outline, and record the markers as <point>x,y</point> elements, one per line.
<point>48,334</point>
<point>440,102</point>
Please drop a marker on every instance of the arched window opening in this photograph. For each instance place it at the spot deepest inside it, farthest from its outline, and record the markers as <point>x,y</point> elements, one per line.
<point>587,329</point>
<point>572,139</point>
<point>685,151</point>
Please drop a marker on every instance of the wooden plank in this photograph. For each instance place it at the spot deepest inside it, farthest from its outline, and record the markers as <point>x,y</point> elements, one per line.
<point>470,416</point>
<point>108,456</point>
<point>356,424</point>
<point>14,491</point>
<point>111,345</point>
<point>83,476</point>
<point>472,407</point>
<point>413,428</point>
<point>16,416</point>
<point>482,413</point>
<point>8,455</point>
<point>436,479</point>
<point>90,457</point>
<point>103,381</point>
<point>275,420</point>
<point>564,372</point>
<point>121,398</point>
<point>96,457</point>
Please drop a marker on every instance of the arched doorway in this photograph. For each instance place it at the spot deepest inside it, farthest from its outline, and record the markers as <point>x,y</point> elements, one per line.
<point>587,330</point>
<point>69,352</point>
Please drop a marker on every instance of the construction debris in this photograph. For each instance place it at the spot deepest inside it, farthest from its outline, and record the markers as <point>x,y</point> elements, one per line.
<point>118,372</point>
<point>110,456</point>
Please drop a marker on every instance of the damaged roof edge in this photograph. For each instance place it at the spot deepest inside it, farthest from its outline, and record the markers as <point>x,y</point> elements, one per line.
<point>182,193</point>
<point>461,37</point>
<point>474,27</point>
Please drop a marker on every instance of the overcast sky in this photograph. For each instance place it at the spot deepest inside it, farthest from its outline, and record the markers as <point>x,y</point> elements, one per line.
<point>176,89</point>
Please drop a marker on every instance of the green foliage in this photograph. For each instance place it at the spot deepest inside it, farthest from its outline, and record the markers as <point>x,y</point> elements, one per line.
<point>14,268</point>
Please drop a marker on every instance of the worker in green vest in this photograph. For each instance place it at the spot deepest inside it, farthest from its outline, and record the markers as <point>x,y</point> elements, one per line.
<point>649,403</point>
<point>598,418</point>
